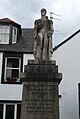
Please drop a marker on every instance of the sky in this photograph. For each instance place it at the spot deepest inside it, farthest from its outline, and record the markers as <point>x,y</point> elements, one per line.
<point>25,12</point>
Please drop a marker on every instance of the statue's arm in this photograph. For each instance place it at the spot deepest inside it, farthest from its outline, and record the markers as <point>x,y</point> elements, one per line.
<point>35,36</point>
<point>34,50</point>
<point>51,30</point>
<point>35,29</point>
<point>51,27</point>
<point>50,37</point>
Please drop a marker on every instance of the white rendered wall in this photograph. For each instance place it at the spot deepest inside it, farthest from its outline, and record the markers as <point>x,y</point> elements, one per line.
<point>27,57</point>
<point>68,60</point>
<point>11,92</point>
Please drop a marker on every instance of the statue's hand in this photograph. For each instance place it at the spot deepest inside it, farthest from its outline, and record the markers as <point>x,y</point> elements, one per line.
<point>34,53</point>
<point>50,33</point>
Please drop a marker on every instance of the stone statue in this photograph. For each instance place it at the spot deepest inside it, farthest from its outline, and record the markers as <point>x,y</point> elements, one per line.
<point>43,30</point>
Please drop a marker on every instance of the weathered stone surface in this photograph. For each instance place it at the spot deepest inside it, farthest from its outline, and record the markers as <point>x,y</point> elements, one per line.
<point>41,72</point>
<point>42,62</point>
<point>43,30</point>
<point>40,98</point>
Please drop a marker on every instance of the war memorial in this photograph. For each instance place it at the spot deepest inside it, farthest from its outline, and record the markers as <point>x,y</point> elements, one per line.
<point>41,79</point>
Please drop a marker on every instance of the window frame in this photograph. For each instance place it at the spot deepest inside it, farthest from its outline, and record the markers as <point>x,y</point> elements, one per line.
<point>1,111</point>
<point>5,78</point>
<point>5,34</point>
<point>14,36</point>
<point>15,111</point>
<point>8,111</point>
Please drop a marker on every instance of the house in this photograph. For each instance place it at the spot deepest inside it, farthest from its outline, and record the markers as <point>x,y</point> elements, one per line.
<point>16,47</point>
<point>67,56</point>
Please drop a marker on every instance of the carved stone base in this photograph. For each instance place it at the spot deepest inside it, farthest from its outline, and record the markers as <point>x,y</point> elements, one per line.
<point>40,98</point>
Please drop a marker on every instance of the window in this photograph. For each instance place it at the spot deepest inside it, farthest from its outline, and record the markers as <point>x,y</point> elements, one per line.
<point>18,111</point>
<point>10,111</point>
<point>14,35</point>
<point>1,111</point>
<point>4,34</point>
<point>12,68</point>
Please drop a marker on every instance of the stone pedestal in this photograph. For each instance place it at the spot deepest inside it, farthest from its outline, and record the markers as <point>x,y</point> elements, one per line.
<point>40,98</point>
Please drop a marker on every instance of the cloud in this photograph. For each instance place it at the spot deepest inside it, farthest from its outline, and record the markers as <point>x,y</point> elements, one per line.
<point>70,19</point>
<point>26,11</point>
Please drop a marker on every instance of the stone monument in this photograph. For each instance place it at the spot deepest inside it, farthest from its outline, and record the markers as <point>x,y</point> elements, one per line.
<point>40,79</point>
<point>43,30</point>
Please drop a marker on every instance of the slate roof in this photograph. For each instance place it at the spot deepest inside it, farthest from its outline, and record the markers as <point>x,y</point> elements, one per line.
<point>25,43</point>
<point>7,20</point>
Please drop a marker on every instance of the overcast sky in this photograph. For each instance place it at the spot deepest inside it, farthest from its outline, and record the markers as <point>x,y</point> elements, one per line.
<point>25,12</point>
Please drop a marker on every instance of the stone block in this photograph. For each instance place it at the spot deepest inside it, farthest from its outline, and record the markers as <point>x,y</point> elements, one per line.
<point>40,98</point>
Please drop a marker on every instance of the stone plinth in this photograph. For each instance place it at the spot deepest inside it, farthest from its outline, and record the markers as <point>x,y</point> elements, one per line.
<point>40,98</point>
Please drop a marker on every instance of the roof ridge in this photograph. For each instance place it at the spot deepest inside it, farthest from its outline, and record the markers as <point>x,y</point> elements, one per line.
<point>63,42</point>
<point>8,20</point>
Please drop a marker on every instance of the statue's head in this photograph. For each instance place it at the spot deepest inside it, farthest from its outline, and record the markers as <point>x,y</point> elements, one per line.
<point>43,11</point>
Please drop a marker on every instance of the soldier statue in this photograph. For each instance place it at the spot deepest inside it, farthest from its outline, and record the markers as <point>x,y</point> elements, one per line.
<point>43,30</point>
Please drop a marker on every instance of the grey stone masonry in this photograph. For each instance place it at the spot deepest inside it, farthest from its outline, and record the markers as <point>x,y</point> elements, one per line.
<point>40,99</point>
